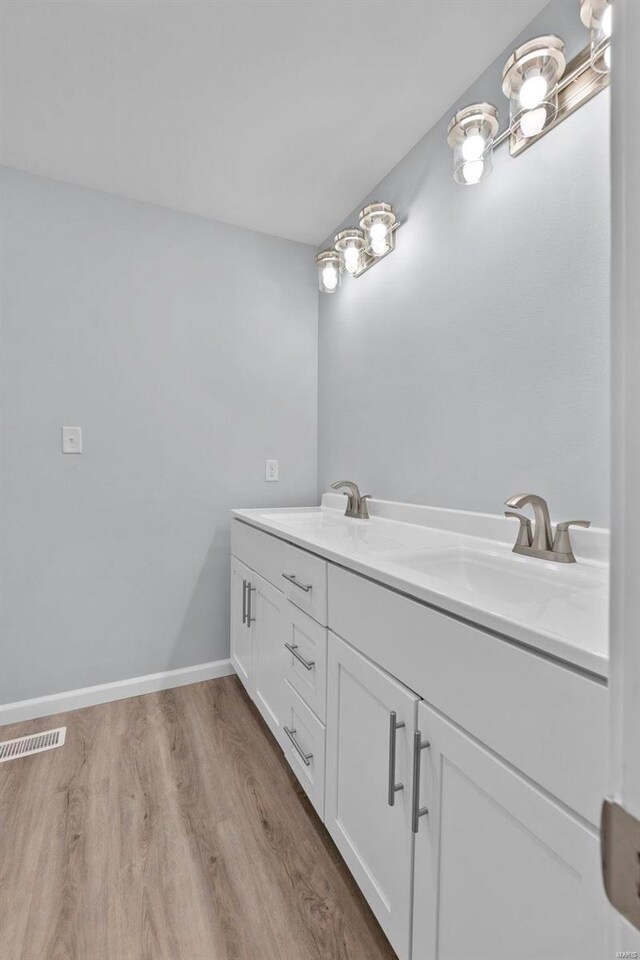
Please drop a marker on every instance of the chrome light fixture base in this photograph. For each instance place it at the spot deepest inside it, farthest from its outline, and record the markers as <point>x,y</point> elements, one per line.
<point>350,244</point>
<point>530,81</point>
<point>471,134</point>
<point>579,84</point>
<point>596,16</point>
<point>329,270</point>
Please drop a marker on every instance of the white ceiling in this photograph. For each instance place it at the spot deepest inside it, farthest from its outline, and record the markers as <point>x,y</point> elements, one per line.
<point>277,115</point>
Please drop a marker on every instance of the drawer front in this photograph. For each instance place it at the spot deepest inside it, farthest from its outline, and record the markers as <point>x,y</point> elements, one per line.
<point>303,578</point>
<point>304,743</point>
<point>547,720</point>
<point>259,551</point>
<point>305,658</point>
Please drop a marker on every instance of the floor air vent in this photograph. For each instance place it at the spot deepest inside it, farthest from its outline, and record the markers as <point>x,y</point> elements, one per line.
<point>35,743</point>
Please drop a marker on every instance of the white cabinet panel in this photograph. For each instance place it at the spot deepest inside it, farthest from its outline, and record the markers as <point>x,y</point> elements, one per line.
<point>304,746</point>
<point>546,720</point>
<point>374,838</point>
<point>268,611</point>
<point>241,632</point>
<point>501,871</point>
<point>304,581</point>
<point>305,659</point>
<point>258,550</point>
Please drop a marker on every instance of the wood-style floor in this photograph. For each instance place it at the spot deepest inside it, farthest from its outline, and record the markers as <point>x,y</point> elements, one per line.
<point>170,827</point>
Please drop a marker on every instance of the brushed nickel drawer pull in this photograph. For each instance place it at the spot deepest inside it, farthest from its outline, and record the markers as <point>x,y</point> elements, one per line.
<point>393,786</point>
<point>291,577</point>
<point>244,601</point>
<point>416,810</point>
<point>250,590</point>
<point>305,757</point>
<point>293,648</point>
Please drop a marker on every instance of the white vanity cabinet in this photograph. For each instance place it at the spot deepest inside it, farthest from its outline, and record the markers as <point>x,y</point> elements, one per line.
<point>370,723</point>
<point>241,633</point>
<point>501,870</point>
<point>278,650</point>
<point>459,774</point>
<point>268,610</point>
<point>258,625</point>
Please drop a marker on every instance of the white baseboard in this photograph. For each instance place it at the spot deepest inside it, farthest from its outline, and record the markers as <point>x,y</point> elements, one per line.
<point>106,692</point>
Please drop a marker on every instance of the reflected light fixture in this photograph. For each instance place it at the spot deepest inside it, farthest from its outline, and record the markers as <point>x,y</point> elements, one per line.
<point>329,270</point>
<point>471,133</point>
<point>596,16</point>
<point>350,244</point>
<point>530,81</point>
<point>378,221</point>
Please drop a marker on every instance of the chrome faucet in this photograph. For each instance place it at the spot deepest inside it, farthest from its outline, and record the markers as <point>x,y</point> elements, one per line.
<point>543,544</point>
<point>356,502</point>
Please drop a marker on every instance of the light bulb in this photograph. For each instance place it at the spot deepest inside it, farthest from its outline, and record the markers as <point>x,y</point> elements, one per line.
<point>378,235</point>
<point>605,23</point>
<point>472,170</point>
<point>473,147</point>
<point>533,91</point>
<point>532,122</point>
<point>351,259</point>
<point>329,278</point>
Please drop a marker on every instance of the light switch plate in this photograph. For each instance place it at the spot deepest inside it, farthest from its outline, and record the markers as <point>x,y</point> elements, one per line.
<point>271,470</point>
<point>72,439</point>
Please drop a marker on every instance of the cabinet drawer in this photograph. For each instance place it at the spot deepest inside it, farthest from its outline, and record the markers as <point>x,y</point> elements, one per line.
<point>545,719</point>
<point>303,579</point>
<point>305,659</point>
<point>258,550</point>
<point>304,746</point>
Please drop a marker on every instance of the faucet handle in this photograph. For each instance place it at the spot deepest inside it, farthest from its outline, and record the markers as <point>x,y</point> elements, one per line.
<point>562,539</point>
<point>364,512</point>
<point>524,533</point>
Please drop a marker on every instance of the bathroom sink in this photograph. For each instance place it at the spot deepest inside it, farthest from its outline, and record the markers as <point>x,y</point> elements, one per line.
<point>507,580</point>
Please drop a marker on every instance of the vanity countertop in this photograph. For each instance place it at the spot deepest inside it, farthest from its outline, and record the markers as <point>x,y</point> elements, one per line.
<point>463,564</point>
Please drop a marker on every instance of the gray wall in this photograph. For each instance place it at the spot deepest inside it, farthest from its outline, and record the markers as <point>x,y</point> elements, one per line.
<point>187,351</point>
<point>472,363</point>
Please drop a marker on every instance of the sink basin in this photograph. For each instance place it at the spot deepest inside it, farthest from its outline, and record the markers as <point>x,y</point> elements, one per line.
<point>507,580</point>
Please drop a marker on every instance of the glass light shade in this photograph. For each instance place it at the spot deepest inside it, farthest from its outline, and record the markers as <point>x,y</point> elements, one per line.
<point>329,271</point>
<point>350,245</point>
<point>471,133</point>
<point>596,16</point>
<point>530,81</point>
<point>378,221</point>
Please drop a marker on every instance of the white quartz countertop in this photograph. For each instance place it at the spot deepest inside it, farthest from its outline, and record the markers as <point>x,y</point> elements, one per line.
<point>463,564</point>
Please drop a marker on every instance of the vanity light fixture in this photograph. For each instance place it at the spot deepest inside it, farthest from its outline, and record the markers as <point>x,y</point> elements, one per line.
<point>596,16</point>
<point>329,270</point>
<point>543,90</point>
<point>378,221</point>
<point>357,249</point>
<point>530,81</point>
<point>350,244</point>
<point>471,133</point>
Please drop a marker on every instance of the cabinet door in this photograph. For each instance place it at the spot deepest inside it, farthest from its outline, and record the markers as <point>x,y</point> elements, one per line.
<point>241,632</point>
<point>267,608</point>
<point>502,872</point>
<point>373,836</point>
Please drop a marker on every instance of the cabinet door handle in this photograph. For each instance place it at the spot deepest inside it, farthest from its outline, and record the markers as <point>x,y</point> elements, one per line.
<point>293,648</point>
<point>250,590</point>
<point>291,577</point>
<point>416,810</point>
<point>393,787</point>
<point>244,601</point>
<point>305,757</point>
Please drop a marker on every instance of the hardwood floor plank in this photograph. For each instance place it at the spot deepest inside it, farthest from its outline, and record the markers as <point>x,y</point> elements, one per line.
<point>170,827</point>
